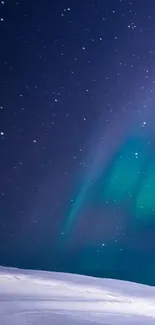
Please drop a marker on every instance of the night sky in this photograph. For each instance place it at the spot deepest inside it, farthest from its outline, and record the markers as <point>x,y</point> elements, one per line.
<point>77,137</point>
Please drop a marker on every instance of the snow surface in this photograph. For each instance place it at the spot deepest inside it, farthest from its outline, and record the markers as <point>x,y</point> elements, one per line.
<point>36,298</point>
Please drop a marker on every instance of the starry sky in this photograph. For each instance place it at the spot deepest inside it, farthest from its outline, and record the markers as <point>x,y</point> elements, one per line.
<point>77,148</point>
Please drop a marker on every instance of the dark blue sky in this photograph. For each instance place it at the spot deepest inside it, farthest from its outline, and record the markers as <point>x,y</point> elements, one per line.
<point>67,69</point>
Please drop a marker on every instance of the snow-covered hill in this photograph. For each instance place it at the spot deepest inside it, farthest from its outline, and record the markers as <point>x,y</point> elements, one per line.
<point>36,298</point>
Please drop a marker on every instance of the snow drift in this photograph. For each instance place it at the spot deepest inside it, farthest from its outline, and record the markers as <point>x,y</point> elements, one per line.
<point>36,298</point>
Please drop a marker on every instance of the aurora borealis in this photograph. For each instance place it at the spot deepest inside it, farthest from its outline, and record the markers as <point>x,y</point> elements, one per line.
<point>127,179</point>
<point>116,207</point>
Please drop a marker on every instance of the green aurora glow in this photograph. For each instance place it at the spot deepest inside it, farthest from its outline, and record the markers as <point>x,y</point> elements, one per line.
<point>129,177</point>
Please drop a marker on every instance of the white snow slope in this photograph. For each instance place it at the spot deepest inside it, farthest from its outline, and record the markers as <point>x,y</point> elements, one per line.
<point>44,298</point>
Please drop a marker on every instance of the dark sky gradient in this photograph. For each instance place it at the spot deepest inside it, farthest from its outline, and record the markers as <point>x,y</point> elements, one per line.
<point>77,79</point>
